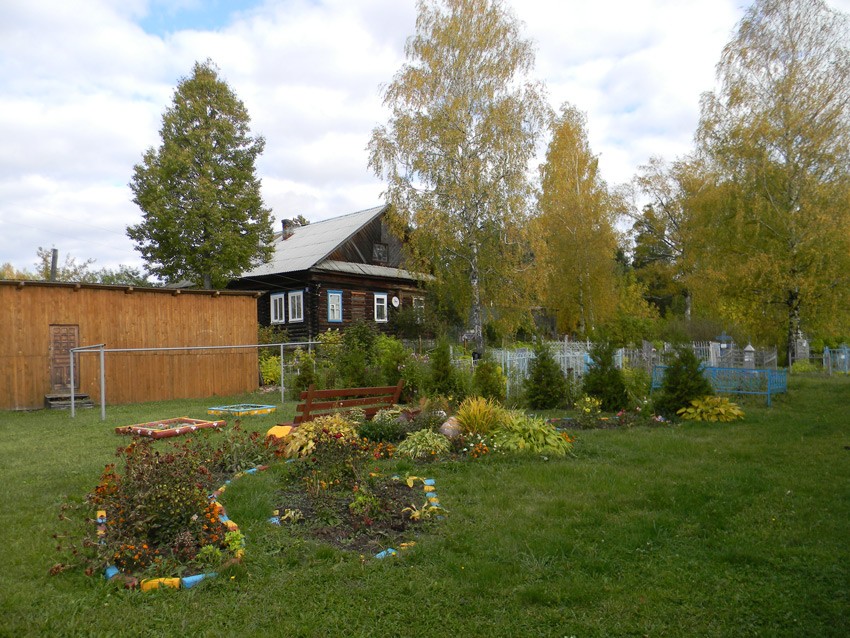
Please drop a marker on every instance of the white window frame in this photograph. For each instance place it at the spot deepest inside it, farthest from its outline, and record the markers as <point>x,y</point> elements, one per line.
<point>419,308</point>
<point>295,299</point>
<point>381,303</point>
<point>332,295</point>
<point>278,305</point>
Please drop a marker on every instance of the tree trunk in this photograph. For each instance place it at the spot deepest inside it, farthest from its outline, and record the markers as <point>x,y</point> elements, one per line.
<point>476,318</point>
<point>793,303</point>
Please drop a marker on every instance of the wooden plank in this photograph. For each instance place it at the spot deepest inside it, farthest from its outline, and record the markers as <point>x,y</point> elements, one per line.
<point>352,392</point>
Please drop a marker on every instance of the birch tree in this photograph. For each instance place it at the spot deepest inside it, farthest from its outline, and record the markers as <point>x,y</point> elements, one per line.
<point>455,152</point>
<point>575,243</point>
<point>777,135</point>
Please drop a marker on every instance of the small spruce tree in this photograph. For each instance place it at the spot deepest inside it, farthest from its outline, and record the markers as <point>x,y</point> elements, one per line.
<point>604,381</point>
<point>683,382</point>
<point>489,381</point>
<point>545,386</point>
<point>443,381</point>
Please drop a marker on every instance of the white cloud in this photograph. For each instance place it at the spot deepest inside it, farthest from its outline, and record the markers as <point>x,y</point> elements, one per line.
<point>83,87</point>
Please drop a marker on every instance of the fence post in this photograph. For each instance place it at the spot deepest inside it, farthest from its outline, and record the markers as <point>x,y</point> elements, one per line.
<point>282,384</point>
<point>102,383</point>
<point>73,411</point>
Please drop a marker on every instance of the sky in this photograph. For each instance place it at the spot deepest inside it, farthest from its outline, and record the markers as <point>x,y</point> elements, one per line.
<point>84,84</point>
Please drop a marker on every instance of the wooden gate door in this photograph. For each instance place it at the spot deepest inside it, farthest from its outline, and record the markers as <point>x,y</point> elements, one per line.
<point>62,339</point>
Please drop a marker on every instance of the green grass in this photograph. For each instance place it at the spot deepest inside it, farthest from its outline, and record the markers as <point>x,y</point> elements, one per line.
<point>736,529</point>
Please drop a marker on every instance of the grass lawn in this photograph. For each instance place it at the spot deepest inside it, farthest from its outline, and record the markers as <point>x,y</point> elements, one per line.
<point>700,529</point>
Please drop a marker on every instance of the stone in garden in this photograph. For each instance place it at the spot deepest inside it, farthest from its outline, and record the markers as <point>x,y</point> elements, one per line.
<point>451,428</point>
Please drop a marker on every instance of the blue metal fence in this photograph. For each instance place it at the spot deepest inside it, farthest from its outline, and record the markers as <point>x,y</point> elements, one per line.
<point>837,359</point>
<point>736,380</point>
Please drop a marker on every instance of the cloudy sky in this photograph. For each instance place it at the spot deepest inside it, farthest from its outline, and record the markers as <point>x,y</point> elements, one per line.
<point>83,86</point>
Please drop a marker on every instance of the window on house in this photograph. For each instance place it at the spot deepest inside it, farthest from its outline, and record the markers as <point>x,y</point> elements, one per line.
<point>379,253</point>
<point>296,306</point>
<point>277,308</point>
<point>381,307</point>
<point>335,306</point>
<point>419,308</point>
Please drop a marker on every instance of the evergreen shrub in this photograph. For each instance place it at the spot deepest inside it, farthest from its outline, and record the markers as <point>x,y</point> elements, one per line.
<point>604,380</point>
<point>545,387</point>
<point>489,381</point>
<point>683,382</point>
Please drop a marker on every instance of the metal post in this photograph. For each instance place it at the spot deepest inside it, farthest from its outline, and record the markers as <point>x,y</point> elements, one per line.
<point>102,384</point>
<point>73,411</point>
<point>282,388</point>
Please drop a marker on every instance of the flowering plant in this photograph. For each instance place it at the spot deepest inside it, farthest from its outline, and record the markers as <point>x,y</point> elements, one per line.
<point>589,409</point>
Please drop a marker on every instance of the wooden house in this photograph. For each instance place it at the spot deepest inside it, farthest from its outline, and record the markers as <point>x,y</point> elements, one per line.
<point>41,321</point>
<point>332,273</point>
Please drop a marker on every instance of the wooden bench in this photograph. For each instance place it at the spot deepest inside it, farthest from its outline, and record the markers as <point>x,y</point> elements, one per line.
<point>315,403</point>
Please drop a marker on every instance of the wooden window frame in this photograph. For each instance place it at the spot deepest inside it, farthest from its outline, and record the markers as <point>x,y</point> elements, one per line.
<point>295,317</point>
<point>332,294</point>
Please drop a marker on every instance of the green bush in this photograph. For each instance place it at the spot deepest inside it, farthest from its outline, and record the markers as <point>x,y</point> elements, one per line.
<point>445,380</point>
<point>545,387</point>
<point>524,434</point>
<point>386,425</point>
<point>416,375</point>
<point>638,383</point>
<point>270,369</point>
<point>489,381</point>
<point>305,364</point>
<point>357,361</point>
<point>424,445</point>
<point>604,380</point>
<point>683,382</point>
<point>391,357</point>
<point>711,409</point>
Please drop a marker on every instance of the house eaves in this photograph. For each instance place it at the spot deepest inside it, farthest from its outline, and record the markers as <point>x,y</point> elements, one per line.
<point>370,270</point>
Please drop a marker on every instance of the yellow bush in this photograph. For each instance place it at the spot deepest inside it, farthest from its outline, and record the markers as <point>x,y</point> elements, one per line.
<point>303,439</point>
<point>711,408</point>
<point>477,415</point>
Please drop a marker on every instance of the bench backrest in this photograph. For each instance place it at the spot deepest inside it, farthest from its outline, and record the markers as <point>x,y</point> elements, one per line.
<point>316,403</point>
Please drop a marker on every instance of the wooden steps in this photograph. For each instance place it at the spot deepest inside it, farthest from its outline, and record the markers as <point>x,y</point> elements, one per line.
<point>63,401</point>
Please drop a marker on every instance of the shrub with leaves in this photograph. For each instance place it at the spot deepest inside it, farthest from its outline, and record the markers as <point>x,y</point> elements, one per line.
<point>391,357</point>
<point>270,369</point>
<point>477,415</point>
<point>545,386</point>
<point>604,380</point>
<point>386,425</point>
<point>158,515</point>
<point>588,410</point>
<point>524,434</point>
<point>303,439</point>
<point>305,370</point>
<point>683,382</point>
<point>357,360</point>
<point>711,408</point>
<point>444,379</point>
<point>229,449</point>
<point>489,381</point>
<point>424,445</point>
<point>637,385</point>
